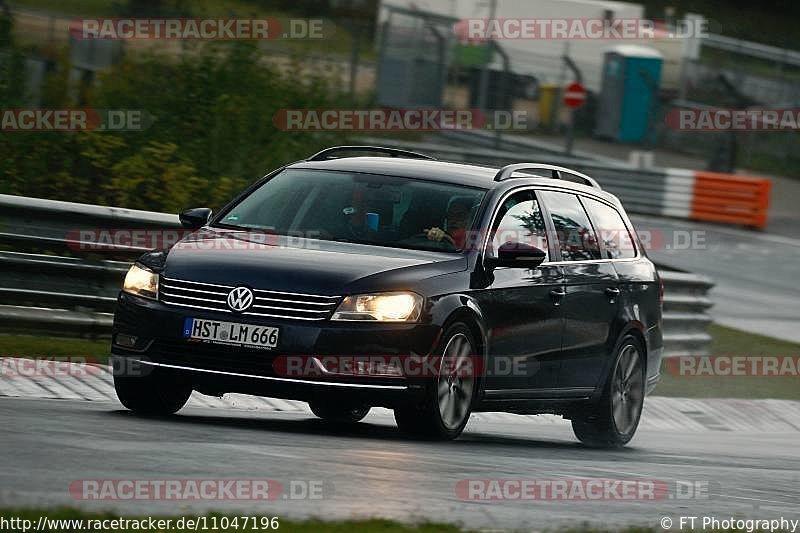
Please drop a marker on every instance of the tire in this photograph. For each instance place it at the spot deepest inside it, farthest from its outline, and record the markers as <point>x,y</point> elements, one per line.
<point>159,393</point>
<point>343,414</point>
<point>447,405</point>
<point>612,422</point>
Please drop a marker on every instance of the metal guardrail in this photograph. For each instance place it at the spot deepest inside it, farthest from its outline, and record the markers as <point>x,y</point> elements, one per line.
<point>686,320</point>
<point>31,223</point>
<point>75,296</point>
<point>59,295</point>
<point>671,192</point>
<point>748,48</point>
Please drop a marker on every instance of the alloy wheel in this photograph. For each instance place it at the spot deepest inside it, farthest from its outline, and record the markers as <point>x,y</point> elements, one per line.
<point>456,381</point>
<point>627,390</point>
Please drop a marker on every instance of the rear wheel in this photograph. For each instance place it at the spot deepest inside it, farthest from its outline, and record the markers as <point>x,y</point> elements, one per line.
<point>613,421</point>
<point>332,412</point>
<point>160,392</point>
<point>447,405</point>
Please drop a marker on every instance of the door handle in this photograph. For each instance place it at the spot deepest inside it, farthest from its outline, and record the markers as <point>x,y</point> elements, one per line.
<point>557,294</point>
<point>612,292</point>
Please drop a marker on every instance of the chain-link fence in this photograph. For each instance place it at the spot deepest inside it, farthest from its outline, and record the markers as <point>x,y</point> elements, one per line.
<point>736,74</point>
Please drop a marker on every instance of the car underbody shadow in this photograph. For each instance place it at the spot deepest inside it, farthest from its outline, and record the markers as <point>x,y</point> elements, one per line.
<point>307,424</point>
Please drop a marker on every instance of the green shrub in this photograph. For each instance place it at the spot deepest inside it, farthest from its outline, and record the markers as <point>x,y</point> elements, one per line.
<point>212,131</point>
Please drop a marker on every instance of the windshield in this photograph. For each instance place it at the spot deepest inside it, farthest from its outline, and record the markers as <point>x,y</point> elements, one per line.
<point>360,208</point>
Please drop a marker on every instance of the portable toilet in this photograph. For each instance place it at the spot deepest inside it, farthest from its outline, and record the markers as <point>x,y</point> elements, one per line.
<point>629,94</point>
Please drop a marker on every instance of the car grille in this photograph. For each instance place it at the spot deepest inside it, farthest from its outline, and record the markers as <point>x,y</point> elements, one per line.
<point>236,359</point>
<point>271,304</point>
<point>213,357</point>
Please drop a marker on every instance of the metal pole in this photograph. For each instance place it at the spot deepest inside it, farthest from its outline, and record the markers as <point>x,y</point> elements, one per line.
<point>354,52</point>
<point>381,51</point>
<point>484,85</point>
<point>503,91</point>
<point>570,133</point>
<point>571,126</point>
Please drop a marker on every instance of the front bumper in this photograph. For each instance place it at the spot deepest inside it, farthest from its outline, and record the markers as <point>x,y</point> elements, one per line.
<point>217,369</point>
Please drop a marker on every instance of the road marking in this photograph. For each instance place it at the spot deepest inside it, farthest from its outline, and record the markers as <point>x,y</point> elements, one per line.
<point>670,414</point>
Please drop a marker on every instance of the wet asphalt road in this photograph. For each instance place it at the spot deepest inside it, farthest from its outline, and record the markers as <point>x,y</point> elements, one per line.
<point>756,273</point>
<point>370,470</point>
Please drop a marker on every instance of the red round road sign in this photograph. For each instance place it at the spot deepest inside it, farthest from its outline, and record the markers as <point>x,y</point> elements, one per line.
<point>574,95</point>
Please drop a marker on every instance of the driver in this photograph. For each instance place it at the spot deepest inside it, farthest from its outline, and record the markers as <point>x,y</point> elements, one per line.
<point>455,224</point>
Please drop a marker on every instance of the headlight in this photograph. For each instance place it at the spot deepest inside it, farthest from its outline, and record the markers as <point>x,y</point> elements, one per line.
<point>141,282</point>
<point>385,307</point>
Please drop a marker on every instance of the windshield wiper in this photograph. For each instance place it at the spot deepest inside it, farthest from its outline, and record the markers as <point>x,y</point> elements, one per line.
<point>351,241</point>
<point>229,226</point>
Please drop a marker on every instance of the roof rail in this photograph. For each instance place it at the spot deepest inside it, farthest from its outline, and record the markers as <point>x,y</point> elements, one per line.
<point>394,152</point>
<point>555,172</point>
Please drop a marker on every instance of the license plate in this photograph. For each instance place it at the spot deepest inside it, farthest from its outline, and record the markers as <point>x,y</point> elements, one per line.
<point>234,333</point>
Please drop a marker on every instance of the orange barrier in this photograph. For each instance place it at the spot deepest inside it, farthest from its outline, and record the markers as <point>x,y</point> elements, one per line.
<point>730,198</point>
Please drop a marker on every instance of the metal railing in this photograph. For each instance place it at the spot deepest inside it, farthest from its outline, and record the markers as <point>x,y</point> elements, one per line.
<point>686,320</point>
<point>670,192</point>
<point>749,48</point>
<point>52,293</point>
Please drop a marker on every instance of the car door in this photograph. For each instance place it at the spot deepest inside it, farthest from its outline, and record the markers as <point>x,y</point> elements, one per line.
<point>522,307</point>
<point>591,302</point>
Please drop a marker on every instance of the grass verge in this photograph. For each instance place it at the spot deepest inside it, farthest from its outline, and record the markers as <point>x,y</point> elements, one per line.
<point>307,526</point>
<point>728,341</point>
<point>44,347</point>
<point>253,523</point>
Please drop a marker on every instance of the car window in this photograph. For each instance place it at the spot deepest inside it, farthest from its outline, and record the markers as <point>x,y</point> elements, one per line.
<point>360,208</point>
<point>617,240</point>
<point>519,219</point>
<point>576,237</point>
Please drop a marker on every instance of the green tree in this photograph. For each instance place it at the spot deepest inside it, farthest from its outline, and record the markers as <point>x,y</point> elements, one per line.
<point>213,131</point>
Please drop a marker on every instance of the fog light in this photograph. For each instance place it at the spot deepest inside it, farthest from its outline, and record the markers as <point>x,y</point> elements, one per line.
<point>126,341</point>
<point>358,366</point>
<point>381,369</point>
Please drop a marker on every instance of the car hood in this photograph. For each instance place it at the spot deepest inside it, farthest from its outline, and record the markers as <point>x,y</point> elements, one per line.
<point>311,266</point>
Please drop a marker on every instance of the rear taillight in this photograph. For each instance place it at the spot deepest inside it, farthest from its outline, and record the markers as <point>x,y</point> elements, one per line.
<point>661,293</point>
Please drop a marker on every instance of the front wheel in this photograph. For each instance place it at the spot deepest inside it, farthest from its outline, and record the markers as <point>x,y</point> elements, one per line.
<point>158,393</point>
<point>343,414</point>
<point>447,405</point>
<point>613,421</point>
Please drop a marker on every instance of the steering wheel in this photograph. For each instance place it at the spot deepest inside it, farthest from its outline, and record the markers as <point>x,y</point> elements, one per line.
<point>424,235</point>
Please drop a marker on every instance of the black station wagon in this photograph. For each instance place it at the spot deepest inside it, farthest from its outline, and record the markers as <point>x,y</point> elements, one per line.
<point>431,288</point>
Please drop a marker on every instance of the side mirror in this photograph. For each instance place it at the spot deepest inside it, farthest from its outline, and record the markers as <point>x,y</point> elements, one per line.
<point>195,218</point>
<point>517,255</point>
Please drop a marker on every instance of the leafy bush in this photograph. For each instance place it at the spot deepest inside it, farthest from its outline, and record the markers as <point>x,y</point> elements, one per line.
<point>211,133</point>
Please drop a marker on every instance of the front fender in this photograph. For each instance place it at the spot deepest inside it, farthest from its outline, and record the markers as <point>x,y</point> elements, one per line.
<point>445,308</point>
<point>453,307</point>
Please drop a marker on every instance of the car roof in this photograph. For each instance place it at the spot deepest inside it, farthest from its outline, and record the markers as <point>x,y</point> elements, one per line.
<point>455,173</point>
<point>443,172</point>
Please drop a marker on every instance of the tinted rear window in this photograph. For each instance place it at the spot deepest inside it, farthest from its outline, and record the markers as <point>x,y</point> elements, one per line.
<point>616,239</point>
<point>576,238</point>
